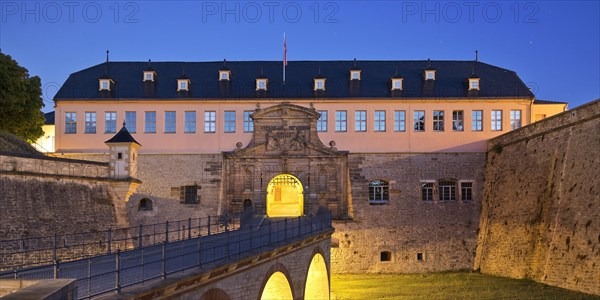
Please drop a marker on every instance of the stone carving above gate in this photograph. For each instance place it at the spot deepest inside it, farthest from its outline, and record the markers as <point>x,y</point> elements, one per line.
<point>285,141</point>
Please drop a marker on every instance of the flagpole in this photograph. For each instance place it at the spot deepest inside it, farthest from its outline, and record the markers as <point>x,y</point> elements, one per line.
<point>284,57</point>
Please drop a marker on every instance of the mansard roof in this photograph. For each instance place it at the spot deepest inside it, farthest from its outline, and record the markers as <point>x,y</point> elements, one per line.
<point>375,81</point>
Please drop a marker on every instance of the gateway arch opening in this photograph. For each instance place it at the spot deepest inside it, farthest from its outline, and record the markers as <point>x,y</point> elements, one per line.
<point>285,197</point>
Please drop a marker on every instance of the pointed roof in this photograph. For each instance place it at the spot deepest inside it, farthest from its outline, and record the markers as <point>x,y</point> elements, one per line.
<point>123,136</point>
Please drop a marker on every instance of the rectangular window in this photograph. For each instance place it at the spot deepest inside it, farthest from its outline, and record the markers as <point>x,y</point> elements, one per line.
<point>496,120</point>
<point>130,121</point>
<point>427,191</point>
<point>210,121</point>
<point>447,190</point>
<point>90,122</point>
<point>110,125</point>
<point>229,121</point>
<point>150,126</point>
<point>419,120</point>
<point>380,120</point>
<point>322,122</point>
<point>189,194</point>
<point>515,119</point>
<point>190,122</point>
<point>477,120</point>
<point>399,120</point>
<point>340,120</point>
<point>248,123</point>
<point>170,122</point>
<point>71,122</point>
<point>438,120</point>
<point>466,191</point>
<point>360,120</point>
<point>457,120</point>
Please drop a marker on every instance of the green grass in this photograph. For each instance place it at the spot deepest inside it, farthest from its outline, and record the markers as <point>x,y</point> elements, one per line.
<point>459,285</point>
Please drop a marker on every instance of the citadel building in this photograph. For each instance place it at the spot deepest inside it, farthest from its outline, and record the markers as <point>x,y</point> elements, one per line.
<point>395,149</point>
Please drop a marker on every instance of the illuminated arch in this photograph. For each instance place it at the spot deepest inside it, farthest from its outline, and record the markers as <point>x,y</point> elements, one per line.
<point>317,279</point>
<point>277,288</point>
<point>215,294</point>
<point>285,197</point>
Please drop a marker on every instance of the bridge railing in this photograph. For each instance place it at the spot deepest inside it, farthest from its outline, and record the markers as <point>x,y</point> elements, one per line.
<point>129,268</point>
<point>32,251</point>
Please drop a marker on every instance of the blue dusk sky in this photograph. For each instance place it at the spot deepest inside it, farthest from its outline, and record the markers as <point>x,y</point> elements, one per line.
<point>554,46</point>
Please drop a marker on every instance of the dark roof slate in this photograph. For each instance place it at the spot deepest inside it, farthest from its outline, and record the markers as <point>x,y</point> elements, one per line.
<point>375,80</point>
<point>538,101</point>
<point>123,136</point>
<point>49,118</point>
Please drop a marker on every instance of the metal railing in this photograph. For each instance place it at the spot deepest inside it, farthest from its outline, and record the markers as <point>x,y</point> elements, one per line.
<point>32,251</point>
<point>129,268</point>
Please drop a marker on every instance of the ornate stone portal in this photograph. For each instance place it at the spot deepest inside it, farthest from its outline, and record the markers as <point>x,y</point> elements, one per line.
<point>286,141</point>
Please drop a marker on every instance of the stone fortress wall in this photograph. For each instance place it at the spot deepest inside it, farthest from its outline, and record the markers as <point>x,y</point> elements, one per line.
<point>541,210</point>
<point>420,236</point>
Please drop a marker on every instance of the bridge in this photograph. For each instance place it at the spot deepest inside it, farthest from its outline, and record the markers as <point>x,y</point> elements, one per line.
<point>224,257</point>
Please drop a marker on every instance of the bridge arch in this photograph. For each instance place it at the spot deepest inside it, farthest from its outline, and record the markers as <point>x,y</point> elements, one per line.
<point>215,294</point>
<point>285,196</point>
<point>277,284</point>
<point>317,277</point>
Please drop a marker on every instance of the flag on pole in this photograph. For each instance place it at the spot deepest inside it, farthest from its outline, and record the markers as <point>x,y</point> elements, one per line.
<point>284,51</point>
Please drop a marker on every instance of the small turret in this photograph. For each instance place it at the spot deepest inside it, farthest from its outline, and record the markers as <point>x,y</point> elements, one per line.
<point>123,150</point>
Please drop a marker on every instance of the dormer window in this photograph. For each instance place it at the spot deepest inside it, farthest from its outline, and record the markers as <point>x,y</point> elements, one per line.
<point>183,85</point>
<point>319,84</point>
<point>224,75</point>
<point>148,75</point>
<point>261,84</point>
<point>105,84</point>
<point>429,74</point>
<point>397,84</point>
<point>473,83</point>
<point>354,74</point>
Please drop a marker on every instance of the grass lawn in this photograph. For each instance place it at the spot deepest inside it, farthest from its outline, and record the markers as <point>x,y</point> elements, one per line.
<point>459,285</point>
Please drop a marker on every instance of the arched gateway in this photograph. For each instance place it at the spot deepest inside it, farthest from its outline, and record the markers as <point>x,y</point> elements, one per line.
<point>286,170</point>
<point>285,197</point>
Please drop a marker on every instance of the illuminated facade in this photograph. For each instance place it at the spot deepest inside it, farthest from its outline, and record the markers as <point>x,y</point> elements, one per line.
<point>395,149</point>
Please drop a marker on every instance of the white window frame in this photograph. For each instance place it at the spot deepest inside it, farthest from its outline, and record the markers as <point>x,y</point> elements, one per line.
<point>224,75</point>
<point>113,121</point>
<point>190,121</point>
<point>319,84</point>
<point>131,124</point>
<point>228,122</point>
<point>341,121</point>
<point>458,120</point>
<point>417,121</point>
<point>379,119</point>
<point>90,122</point>
<point>183,85</point>
<point>150,122</point>
<point>515,119</point>
<point>170,122</point>
<point>438,120</point>
<point>70,122</point>
<point>379,194</point>
<point>104,85</point>
<point>397,84</point>
<point>262,84</point>
<point>452,189</point>
<point>432,188</point>
<point>355,74</point>
<point>400,120</point>
<point>430,75</point>
<point>472,188</point>
<point>496,120</point>
<point>210,121</point>
<point>360,121</point>
<point>322,121</point>
<point>477,120</point>
<point>474,84</point>
<point>151,77</point>
<point>248,122</point>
